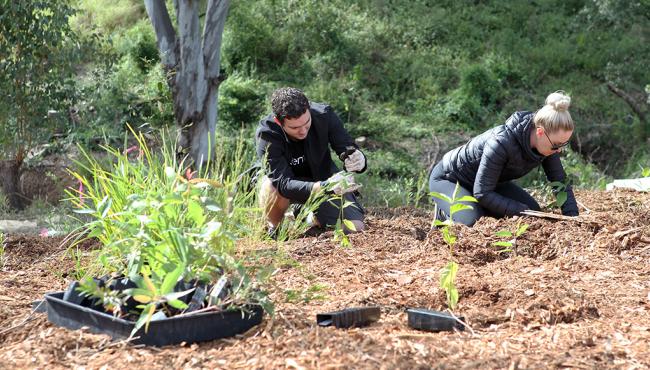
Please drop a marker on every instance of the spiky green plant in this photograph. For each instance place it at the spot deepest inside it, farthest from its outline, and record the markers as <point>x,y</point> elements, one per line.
<point>160,224</point>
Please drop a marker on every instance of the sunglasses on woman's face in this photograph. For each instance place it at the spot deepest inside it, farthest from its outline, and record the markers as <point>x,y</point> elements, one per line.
<point>556,146</point>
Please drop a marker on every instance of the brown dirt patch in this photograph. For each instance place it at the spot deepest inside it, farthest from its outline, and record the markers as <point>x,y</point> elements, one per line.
<point>572,296</point>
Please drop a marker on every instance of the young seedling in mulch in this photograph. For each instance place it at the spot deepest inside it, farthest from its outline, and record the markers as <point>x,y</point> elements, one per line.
<point>449,272</point>
<point>343,225</point>
<point>510,245</point>
<point>340,233</point>
<point>559,188</point>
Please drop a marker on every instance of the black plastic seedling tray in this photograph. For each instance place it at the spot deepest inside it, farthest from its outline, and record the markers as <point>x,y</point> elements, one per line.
<point>359,316</point>
<point>191,328</point>
<point>429,320</point>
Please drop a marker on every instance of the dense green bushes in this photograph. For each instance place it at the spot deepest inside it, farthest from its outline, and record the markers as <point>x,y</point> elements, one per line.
<point>397,72</point>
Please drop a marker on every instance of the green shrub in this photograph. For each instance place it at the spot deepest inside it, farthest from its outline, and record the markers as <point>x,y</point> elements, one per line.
<point>241,101</point>
<point>391,164</point>
<point>108,15</point>
<point>160,224</point>
<point>139,42</point>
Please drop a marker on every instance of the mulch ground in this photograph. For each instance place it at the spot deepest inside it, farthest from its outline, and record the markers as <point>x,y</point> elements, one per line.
<point>569,295</point>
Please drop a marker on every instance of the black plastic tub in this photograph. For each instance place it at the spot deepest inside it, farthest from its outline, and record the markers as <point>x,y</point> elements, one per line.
<point>192,328</point>
<point>429,320</point>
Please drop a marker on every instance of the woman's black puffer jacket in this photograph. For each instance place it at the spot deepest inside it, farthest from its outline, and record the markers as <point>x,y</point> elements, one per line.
<point>501,154</point>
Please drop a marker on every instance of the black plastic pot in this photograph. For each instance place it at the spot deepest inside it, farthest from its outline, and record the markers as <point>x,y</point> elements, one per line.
<point>190,328</point>
<point>429,320</point>
<point>349,317</point>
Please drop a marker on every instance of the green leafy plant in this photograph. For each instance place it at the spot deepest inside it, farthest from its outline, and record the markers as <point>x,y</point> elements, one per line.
<point>449,272</point>
<point>510,245</point>
<point>160,224</point>
<point>645,171</point>
<point>296,227</point>
<point>343,225</point>
<point>560,190</point>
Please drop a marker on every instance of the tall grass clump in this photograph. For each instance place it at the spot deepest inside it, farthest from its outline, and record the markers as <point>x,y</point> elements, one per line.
<point>169,230</point>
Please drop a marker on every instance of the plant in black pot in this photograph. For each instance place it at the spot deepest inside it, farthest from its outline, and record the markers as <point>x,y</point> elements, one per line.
<point>168,252</point>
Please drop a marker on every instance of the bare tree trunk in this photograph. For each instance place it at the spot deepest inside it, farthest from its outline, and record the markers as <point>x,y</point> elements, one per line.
<point>10,180</point>
<point>192,64</point>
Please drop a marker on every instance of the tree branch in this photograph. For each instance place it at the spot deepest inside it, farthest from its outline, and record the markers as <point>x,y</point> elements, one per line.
<point>165,34</point>
<point>629,100</point>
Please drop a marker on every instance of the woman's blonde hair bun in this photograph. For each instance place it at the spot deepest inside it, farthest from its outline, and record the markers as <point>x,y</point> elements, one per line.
<point>554,115</point>
<point>559,101</point>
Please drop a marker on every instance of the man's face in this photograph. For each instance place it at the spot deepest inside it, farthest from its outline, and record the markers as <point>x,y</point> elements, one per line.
<point>297,128</point>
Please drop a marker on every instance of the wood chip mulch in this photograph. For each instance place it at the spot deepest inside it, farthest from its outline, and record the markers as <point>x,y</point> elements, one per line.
<point>567,295</point>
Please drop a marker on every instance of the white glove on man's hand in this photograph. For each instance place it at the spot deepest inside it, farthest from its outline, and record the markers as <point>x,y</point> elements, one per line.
<point>341,183</point>
<point>355,162</point>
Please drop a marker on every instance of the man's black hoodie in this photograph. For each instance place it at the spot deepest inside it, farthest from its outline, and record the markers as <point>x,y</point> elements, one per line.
<point>273,144</point>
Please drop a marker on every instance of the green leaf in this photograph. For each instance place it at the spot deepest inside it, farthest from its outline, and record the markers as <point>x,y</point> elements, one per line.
<point>95,232</point>
<point>457,207</point>
<point>268,306</point>
<point>211,228</point>
<point>345,241</point>
<point>195,212</point>
<point>171,279</point>
<point>441,196</point>
<point>177,304</point>
<point>442,223</point>
<point>448,274</point>
<point>502,244</point>
<point>145,318</point>
<point>456,190</point>
<point>447,282</point>
<point>503,234</point>
<point>448,237</point>
<point>467,198</point>
<point>138,291</point>
<point>107,207</point>
<point>522,229</point>
<point>102,202</point>
<point>350,225</point>
<point>561,198</point>
<point>175,295</point>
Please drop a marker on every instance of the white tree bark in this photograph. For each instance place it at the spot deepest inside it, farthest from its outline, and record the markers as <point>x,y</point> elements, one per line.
<point>192,64</point>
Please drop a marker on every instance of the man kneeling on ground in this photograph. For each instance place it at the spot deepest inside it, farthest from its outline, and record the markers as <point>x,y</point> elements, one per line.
<point>295,142</point>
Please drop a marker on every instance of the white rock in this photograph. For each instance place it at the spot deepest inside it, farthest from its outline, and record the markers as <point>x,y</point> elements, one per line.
<point>18,227</point>
<point>640,184</point>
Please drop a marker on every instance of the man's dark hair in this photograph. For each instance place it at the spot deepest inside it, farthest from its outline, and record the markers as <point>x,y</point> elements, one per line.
<point>288,102</point>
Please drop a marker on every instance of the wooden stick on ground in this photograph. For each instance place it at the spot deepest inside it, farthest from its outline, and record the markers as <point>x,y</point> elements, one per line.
<point>557,217</point>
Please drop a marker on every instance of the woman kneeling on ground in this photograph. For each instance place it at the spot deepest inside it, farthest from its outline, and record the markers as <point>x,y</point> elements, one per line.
<point>485,166</point>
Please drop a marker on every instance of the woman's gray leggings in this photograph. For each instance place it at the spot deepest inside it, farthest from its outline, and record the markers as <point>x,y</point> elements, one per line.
<point>470,216</point>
